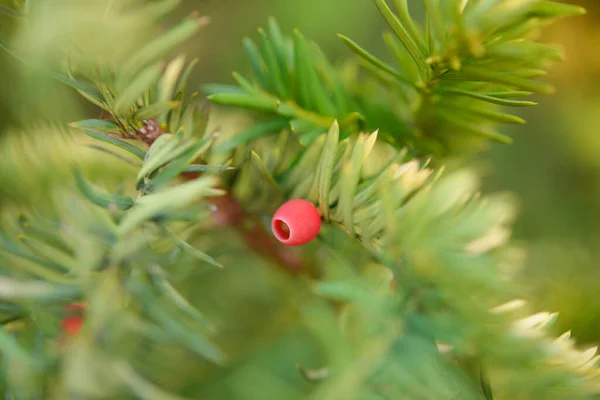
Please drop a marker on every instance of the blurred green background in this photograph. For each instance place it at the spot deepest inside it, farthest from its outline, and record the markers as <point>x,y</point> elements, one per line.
<point>553,166</point>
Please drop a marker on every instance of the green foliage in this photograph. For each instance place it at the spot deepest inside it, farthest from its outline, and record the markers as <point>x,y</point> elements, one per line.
<point>410,295</point>
<point>441,94</point>
<point>438,239</point>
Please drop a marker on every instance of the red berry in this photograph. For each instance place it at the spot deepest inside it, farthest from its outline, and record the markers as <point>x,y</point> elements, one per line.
<point>296,222</point>
<point>72,324</point>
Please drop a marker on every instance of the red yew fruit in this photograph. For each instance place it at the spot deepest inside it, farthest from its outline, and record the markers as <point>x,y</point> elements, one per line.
<point>296,222</point>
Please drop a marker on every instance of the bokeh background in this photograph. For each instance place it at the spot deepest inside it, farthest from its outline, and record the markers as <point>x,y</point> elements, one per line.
<point>553,166</point>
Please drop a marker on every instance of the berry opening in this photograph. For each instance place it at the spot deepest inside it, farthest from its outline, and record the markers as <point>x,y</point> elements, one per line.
<point>282,230</point>
<point>296,222</point>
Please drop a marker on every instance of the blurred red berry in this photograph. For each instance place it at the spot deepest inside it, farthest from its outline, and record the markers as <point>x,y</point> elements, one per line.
<point>296,222</point>
<point>72,324</point>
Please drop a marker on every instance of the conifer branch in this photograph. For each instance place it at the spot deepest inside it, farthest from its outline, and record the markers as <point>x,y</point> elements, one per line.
<point>421,308</point>
<point>443,94</point>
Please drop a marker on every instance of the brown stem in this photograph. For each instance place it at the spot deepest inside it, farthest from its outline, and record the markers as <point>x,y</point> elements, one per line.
<point>228,212</point>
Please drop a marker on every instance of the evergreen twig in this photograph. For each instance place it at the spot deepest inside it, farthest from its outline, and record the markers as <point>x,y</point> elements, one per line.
<point>410,256</point>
